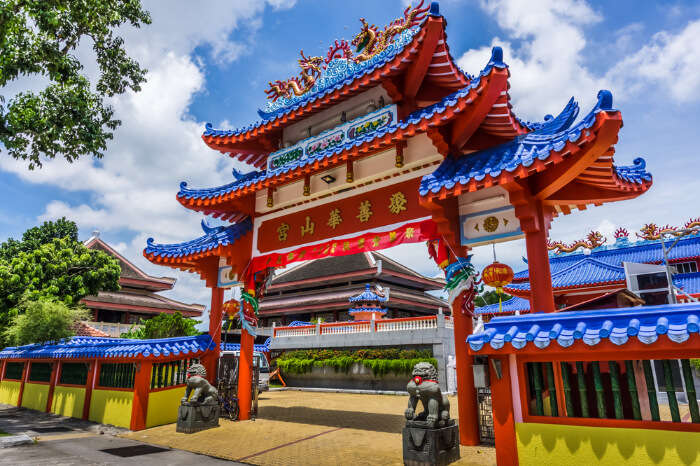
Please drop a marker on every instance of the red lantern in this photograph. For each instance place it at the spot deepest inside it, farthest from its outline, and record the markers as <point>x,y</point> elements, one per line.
<point>497,275</point>
<point>231,307</point>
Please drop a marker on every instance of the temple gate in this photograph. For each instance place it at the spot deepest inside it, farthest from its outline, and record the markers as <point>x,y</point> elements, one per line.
<point>386,141</point>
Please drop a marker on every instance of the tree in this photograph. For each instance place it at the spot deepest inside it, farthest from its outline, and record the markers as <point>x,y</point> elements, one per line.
<point>46,266</point>
<point>490,297</point>
<point>45,320</point>
<point>69,117</point>
<point>163,326</point>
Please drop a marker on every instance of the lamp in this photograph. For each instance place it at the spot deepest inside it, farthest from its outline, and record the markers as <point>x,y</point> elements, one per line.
<point>328,179</point>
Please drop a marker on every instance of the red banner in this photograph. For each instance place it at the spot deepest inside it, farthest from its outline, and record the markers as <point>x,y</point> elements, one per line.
<point>413,232</point>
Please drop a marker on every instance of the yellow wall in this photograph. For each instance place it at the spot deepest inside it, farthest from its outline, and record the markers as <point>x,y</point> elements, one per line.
<point>111,407</point>
<point>68,401</point>
<point>35,396</point>
<point>9,392</point>
<point>544,444</point>
<point>163,405</point>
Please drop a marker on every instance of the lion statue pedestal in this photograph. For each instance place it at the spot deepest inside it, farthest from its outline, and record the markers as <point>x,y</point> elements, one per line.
<point>430,437</point>
<point>201,410</point>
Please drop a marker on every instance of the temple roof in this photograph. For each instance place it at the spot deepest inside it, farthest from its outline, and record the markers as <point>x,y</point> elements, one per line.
<point>368,295</point>
<point>520,157</point>
<point>417,122</point>
<point>206,245</point>
<point>140,303</point>
<point>341,78</point>
<point>624,250</point>
<point>105,348</point>
<point>647,325</point>
<point>507,307</point>
<point>585,272</point>
<point>689,283</point>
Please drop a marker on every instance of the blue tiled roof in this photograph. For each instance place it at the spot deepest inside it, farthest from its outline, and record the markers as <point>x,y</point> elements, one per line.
<point>635,173</point>
<point>368,295</point>
<point>237,347</point>
<point>645,324</point>
<point>378,310</point>
<point>104,348</point>
<point>511,305</point>
<point>414,118</point>
<point>625,251</point>
<point>586,271</point>
<point>688,282</point>
<point>521,151</point>
<point>213,238</point>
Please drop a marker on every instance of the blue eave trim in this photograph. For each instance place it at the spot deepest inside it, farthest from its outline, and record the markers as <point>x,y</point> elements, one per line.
<point>619,326</point>
<point>213,238</point>
<point>106,348</point>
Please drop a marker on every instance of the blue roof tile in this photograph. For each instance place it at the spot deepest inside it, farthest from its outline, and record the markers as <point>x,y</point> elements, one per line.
<point>551,136</point>
<point>213,238</point>
<point>105,348</point>
<point>368,295</point>
<point>645,324</point>
<point>586,271</point>
<point>511,305</point>
<point>688,282</point>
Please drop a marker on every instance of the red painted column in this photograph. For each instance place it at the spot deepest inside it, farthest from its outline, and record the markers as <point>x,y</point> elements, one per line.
<point>91,378</point>
<point>541,296</point>
<point>139,408</point>
<point>55,369</point>
<point>503,421</point>
<point>210,360</point>
<point>25,379</point>
<point>466,392</point>
<point>3,365</point>
<point>245,376</point>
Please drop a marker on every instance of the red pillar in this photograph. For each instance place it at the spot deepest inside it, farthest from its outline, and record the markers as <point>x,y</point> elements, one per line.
<point>25,379</point>
<point>91,378</point>
<point>466,392</point>
<point>245,376</point>
<point>503,421</point>
<point>536,229</point>
<point>139,408</point>
<point>55,369</point>
<point>210,360</point>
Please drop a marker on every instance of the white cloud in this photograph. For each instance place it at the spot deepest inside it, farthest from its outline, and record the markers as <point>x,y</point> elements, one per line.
<point>546,65</point>
<point>669,62</point>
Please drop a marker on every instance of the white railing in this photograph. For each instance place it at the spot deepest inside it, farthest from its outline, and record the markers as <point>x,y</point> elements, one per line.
<point>449,323</point>
<point>337,328</point>
<point>410,323</point>
<point>302,331</point>
<point>112,329</point>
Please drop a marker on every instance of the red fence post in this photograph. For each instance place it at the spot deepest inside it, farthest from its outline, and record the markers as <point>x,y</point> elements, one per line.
<point>53,380</point>
<point>92,376</point>
<point>503,421</point>
<point>245,376</point>
<point>25,378</point>
<point>142,383</point>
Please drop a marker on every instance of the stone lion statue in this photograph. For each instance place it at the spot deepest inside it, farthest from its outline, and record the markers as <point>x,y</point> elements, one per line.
<point>424,386</point>
<point>204,393</point>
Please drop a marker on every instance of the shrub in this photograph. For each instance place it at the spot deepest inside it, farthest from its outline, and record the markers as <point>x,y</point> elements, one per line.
<point>45,320</point>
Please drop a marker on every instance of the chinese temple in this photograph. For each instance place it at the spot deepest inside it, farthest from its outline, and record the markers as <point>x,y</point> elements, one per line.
<point>385,141</point>
<point>589,274</point>
<point>320,289</point>
<point>137,299</point>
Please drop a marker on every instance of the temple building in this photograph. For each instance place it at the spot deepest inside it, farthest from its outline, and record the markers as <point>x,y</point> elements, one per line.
<point>590,274</point>
<point>321,288</point>
<point>113,312</point>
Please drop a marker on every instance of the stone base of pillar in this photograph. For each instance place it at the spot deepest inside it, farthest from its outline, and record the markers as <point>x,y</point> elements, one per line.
<point>422,446</point>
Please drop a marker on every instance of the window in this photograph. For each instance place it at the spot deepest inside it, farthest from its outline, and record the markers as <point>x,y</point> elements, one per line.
<point>117,375</point>
<point>73,373</point>
<point>686,267</point>
<point>609,390</point>
<point>169,374</point>
<point>40,372</point>
<point>13,370</point>
<point>652,281</point>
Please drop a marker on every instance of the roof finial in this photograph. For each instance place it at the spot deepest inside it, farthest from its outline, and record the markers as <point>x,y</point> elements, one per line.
<point>96,233</point>
<point>434,8</point>
<point>605,99</point>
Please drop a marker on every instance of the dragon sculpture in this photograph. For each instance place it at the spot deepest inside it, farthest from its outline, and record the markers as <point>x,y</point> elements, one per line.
<point>621,233</point>
<point>369,42</point>
<point>310,71</point>
<point>593,240</point>
<point>651,231</point>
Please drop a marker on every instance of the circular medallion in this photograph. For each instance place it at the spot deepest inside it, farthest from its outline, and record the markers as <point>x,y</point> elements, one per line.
<point>491,224</point>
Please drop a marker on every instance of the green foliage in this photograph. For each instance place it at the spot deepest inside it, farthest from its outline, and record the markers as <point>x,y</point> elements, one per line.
<point>695,363</point>
<point>490,297</point>
<point>380,361</point>
<point>49,263</point>
<point>163,326</point>
<point>69,117</point>
<point>43,320</point>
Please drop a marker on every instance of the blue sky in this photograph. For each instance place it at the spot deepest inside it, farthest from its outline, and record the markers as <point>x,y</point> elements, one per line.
<point>212,64</point>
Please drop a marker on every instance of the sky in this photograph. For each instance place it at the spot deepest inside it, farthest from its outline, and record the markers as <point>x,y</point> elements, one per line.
<point>211,61</point>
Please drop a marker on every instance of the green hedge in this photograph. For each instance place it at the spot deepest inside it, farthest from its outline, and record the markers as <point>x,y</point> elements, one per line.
<point>380,361</point>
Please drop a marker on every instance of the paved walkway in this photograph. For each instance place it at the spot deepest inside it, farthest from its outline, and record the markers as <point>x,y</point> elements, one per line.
<point>310,428</point>
<point>64,441</point>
